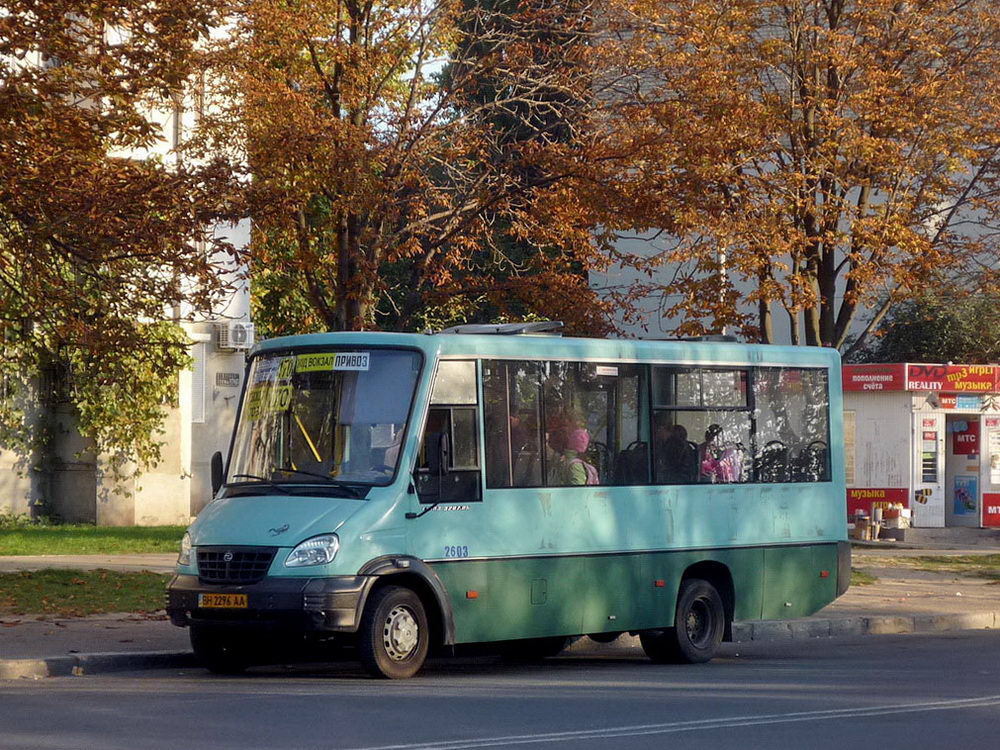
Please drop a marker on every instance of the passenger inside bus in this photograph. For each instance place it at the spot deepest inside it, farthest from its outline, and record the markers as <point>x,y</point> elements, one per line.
<point>525,456</point>
<point>576,470</point>
<point>676,457</point>
<point>709,453</point>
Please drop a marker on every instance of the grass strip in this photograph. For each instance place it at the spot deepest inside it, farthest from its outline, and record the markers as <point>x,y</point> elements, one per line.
<point>75,593</point>
<point>973,566</point>
<point>83,539</point>
<point>860,578</point>
<point>978,566</point>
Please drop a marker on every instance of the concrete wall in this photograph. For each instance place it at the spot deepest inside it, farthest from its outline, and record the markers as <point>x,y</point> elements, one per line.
<point>882,443</point>
<point>71,473</point>
<point>159,495</point>
<point>16,484</point>
<point>223,379</point>
<point>653,321</point>
<point>77,486</point>
<point>22,486</point>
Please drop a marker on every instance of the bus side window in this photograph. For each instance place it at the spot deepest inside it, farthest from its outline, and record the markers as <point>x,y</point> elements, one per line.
<point>453,413</point>
<point>512,392</point>
<point>792,414</point>
<point>564,423</point>
<point>701,425</point>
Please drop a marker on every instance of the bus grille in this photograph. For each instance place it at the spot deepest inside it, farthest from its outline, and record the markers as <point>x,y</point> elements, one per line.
<point>234,564</point>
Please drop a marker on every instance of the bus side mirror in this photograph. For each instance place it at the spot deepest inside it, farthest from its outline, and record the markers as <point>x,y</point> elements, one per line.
<point>217,472</point>
<point>438,453</point>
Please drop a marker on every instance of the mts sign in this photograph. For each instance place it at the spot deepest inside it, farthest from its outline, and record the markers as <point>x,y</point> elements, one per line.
<point>991,509</point>
<point>966,442</point>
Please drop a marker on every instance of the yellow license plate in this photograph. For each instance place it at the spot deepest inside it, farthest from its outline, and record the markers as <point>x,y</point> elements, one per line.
<point>222,601</point>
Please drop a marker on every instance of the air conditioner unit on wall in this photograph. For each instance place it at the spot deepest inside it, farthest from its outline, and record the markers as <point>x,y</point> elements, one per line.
<point>234,336</point>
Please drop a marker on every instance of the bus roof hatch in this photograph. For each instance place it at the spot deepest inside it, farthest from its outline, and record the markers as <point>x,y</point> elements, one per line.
<point>547,327</point>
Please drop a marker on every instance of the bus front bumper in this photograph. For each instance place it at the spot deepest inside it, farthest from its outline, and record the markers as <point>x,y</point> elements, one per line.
<point>310,605</point>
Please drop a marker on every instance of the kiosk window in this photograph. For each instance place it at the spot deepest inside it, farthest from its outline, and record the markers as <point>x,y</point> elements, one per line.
<point>929,457</point>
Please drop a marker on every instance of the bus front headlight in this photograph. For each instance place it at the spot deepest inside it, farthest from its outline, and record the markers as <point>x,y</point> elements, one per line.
<point>184,558</point>
<point>319,550</point>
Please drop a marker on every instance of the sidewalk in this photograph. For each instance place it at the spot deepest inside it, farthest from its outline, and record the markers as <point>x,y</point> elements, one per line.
<point>950,541</point>
<point>903,600</point>
<point>158,563</point>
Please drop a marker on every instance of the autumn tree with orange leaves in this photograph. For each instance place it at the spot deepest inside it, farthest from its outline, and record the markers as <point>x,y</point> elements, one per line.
<point>383,176</point>
<point>829,156</point>
<point>100,238</point>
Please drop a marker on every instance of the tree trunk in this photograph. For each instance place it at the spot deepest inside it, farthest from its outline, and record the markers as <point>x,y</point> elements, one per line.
<point>827,286</point>
<point>765,324</point>
<point>812,314</point>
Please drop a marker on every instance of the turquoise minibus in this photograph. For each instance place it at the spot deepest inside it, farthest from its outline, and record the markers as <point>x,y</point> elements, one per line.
<point>406,494</point>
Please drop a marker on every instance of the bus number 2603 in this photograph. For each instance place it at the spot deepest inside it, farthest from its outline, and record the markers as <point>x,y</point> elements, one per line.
<point>456,551</point>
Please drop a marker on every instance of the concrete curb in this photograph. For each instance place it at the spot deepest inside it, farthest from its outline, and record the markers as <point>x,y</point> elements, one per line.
<point>624,645</point>
<point>96,663</point>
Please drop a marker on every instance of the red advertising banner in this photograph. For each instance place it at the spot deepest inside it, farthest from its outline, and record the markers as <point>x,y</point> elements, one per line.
<point>874,377</point>
<point>907,377</point>
<point>991,509</point>
<point>867,498</point>
<point>953,378</point>
<point>966,443</point>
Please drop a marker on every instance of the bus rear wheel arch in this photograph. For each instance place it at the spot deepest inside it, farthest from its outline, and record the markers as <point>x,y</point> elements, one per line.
<point>700,622</point>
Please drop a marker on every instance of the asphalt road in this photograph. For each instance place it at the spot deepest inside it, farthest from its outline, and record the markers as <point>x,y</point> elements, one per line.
<point>883,692</point>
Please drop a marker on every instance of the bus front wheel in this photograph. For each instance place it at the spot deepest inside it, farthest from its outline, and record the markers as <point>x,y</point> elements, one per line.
<point>699,624</point>
<point>393,638</point>
<point>219,651</point>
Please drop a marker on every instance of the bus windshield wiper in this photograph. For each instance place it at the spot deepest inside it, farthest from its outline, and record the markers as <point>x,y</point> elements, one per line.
<point>290,470</point>
<point>352,490</point>
<point>264,480</point>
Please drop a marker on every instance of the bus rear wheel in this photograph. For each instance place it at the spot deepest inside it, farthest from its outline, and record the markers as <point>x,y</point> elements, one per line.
<point>699,624</point>
<point>394,637</point>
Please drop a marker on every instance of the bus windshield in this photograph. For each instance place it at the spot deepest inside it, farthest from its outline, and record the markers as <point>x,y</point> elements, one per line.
<point>328,416</point>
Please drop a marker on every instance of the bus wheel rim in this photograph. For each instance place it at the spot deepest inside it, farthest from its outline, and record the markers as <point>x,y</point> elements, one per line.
<point>400,633</point>
<point>698,623</point>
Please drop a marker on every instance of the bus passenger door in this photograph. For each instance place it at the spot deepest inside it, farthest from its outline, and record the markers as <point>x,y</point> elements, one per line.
<point>447,470</point>
<point>445,518</point>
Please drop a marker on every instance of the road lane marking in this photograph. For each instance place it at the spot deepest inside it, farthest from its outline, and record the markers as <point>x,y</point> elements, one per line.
<point>692,726</point>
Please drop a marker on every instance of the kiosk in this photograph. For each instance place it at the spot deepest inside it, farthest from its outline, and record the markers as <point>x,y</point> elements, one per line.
<point>924,436</point>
